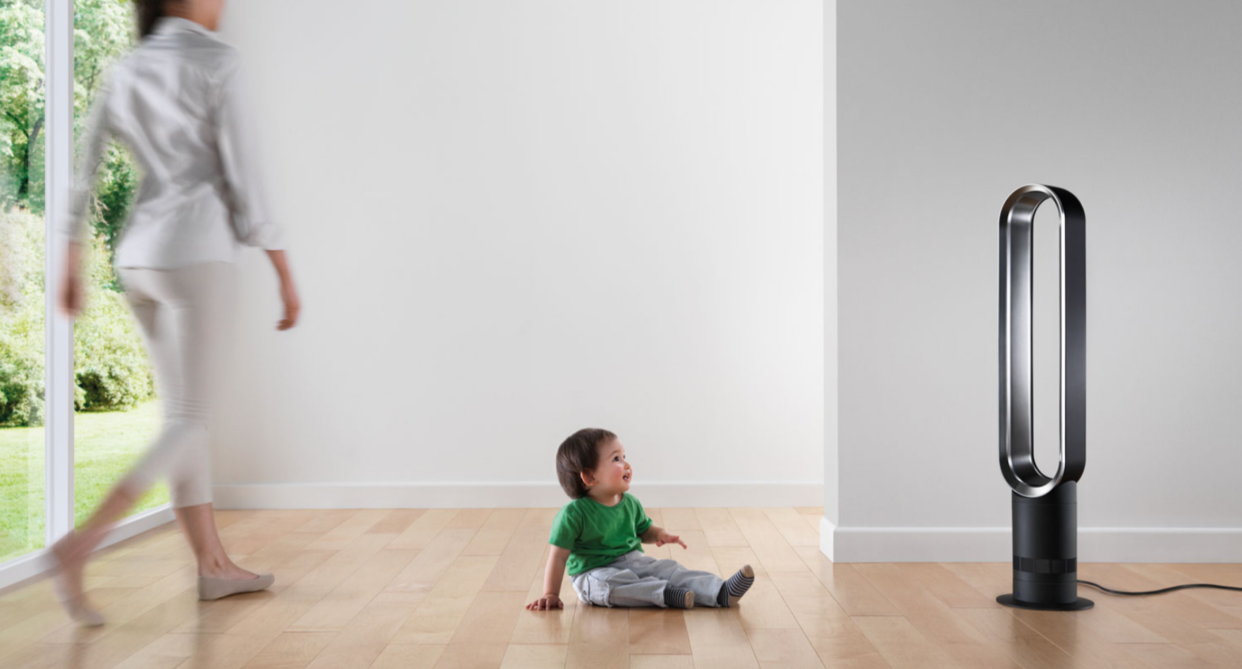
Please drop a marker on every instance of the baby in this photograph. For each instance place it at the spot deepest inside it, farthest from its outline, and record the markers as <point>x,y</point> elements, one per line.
<point>599,535</point>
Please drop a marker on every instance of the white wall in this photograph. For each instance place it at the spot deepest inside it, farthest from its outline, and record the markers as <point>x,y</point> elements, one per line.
<point>511,220</point>
<point>945,108</point>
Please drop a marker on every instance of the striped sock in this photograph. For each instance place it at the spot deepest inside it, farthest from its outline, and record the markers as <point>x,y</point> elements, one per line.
<point>678,598</point>
<point>736,586</point>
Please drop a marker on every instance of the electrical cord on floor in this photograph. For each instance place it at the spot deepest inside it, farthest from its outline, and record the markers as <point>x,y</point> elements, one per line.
<point>1162,590</point>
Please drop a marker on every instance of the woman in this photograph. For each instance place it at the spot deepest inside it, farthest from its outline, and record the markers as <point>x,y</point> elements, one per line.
<point>177,102</point>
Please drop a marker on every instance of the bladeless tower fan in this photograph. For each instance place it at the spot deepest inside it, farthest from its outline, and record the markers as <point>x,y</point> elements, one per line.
<point>1045,508</point>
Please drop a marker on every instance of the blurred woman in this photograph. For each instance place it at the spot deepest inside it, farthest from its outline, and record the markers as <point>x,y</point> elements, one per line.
<point>178,103</point>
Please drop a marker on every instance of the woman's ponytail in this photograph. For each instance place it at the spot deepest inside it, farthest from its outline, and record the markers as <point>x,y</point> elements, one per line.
<point>149,11</point>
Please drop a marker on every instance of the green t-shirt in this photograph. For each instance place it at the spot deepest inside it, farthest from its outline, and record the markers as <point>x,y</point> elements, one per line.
<point>596,534</point>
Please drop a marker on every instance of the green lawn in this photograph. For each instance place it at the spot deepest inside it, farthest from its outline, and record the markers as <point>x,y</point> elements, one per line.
<point>106,444</point>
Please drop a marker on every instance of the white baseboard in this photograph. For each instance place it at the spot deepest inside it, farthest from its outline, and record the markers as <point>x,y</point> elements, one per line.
<point>40,562</point>
<point>501,495</point>
<point>994,544</point>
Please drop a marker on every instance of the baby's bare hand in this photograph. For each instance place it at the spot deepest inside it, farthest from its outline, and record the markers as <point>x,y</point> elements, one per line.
<point>670,539</point>
<point>546,603</point>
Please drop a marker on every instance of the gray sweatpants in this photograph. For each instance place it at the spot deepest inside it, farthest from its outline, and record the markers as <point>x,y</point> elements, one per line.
<point>635,579</point>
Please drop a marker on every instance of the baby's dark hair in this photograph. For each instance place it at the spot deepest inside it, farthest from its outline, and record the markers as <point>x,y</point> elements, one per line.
<point>579,453</point>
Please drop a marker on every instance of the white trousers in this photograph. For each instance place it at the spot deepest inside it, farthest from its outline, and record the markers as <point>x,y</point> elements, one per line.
<point>186,317</point>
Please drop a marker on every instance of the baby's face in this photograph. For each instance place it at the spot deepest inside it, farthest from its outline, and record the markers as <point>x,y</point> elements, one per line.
<point>613,473</point>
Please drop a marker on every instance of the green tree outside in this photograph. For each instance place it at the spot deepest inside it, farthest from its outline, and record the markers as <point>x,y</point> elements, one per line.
<point>111,368</point>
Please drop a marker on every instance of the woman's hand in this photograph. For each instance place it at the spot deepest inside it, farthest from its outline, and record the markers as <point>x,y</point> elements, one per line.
<point>289,296</point>
<point>71,298</point>
<point>546,603</point>
<point>666,538</point>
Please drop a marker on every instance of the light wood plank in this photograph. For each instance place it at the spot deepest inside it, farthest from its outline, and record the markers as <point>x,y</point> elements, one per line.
<point>766,541</point>
<point>492,616</point>
<point>402,656</point>
<point>594,656</point>
<point>421,574</point>
<point>901,645</point>
<point>522,656</point>
<point>948,587</point>
<point>494,535</point>
<point>364,639</point>
<point>472,656</point>
<point>1071,634</point>
<point>792,527</point>
<point>469,519</point>
<point>436,618</point>
<point>661,662</point>
<point>719,527</point>
<point>397,521</point>
<point>783,648</point>
<point>335,611</point>
<point>964,644</point>
<point>658,632</point>
<point>291,650</point>
<point>1027,647</point>
<point>423,530</point>
<point>323,579</point>
<point>681,520</point>
<point>522,559</point>
<point>321,523</point>
<point>354,527</point>
<point>166,652</point>
<point>852,591</point>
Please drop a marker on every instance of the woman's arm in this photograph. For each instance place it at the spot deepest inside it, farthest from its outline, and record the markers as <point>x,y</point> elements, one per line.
<point>73,226</point>
<point>288,292</point>
<point>239,159</point>
<point>552,577</point>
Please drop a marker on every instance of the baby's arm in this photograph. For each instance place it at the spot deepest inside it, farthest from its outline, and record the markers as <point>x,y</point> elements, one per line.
<point>659,536</point>
<point>552,581</point>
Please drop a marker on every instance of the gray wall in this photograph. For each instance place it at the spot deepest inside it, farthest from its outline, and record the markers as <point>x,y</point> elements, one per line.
<point>831,453</point>
<point>944,108</point>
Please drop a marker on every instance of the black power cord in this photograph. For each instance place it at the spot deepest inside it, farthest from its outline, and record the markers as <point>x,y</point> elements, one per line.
<point>1162,590</point>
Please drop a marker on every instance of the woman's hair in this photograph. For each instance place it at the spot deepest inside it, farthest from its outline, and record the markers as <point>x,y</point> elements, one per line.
<point>579,453</point>
<point>150,11</point>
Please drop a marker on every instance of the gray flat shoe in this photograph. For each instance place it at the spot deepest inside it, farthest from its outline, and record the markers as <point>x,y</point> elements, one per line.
<point>210,588</point>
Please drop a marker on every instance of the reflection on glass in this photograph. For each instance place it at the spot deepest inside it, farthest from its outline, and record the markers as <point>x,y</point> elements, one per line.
<point>21,278</point>
<point>116,411</point>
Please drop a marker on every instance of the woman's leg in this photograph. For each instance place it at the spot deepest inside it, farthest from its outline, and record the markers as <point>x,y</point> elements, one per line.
<point>74,549</point>
<point>195,304</point>
<point>200,299</point>
<point>199,525</point>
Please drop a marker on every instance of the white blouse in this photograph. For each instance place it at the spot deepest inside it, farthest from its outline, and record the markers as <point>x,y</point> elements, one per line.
<point>178,102</point>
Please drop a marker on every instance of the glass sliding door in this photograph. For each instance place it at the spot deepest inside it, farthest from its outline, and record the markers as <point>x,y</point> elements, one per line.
<point>23,131</point>
<point>86,398</point>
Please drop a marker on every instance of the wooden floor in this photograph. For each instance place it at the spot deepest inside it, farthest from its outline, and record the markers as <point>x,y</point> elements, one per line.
<point>416,589</point>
